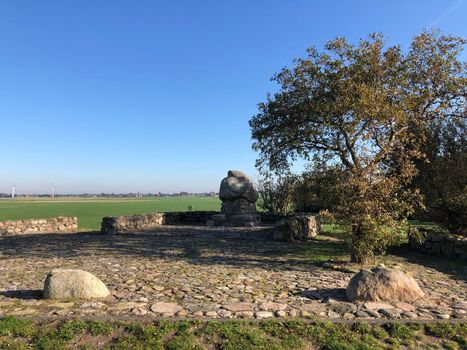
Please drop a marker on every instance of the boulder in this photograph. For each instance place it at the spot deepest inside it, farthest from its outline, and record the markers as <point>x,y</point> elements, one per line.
<point>69,283</point>
<point>238,196</point>
<point>238,206</point>
<point>237,185</point>
<point>297,228</point>
<point>383,284</point>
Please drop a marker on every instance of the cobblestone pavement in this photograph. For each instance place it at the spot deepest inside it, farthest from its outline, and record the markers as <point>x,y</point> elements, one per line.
<point>207,272</point>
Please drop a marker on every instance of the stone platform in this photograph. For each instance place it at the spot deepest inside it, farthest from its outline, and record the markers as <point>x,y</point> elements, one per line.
<point>214,272</point>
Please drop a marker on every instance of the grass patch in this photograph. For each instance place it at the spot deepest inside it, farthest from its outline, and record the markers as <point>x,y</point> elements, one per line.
<point>11,326</point>
<point>452,333</point>
<point>197,335</point>
<point>91,211</point>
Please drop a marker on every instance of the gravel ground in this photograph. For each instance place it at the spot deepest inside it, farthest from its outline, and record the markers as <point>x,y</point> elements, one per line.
<point>203,272</point>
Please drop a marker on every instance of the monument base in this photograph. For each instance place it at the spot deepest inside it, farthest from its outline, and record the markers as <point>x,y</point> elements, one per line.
<point>236,219</point>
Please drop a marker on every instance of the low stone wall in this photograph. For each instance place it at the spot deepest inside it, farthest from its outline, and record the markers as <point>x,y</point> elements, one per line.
<point>188,217</point>
<point>271,218</point>
<point>116,224</point>
<point>440,244</point>
<point>56,225</point>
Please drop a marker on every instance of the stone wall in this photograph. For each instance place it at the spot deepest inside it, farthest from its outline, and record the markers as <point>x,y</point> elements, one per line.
<point>271,218</point>
<point>51,225</point>
<point>188,217</point>
<point>296,228</point>
<point>116,224</point>
<point>440,244</point>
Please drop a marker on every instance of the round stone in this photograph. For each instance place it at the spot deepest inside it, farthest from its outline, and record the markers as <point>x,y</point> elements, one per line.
<point>69,283</point>
<point>237,186</point>
<point>383,284</point>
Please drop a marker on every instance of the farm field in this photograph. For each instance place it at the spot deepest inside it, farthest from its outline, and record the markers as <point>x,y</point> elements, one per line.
<point>90,211</point>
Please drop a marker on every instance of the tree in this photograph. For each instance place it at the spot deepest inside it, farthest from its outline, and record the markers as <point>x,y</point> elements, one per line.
<point>359,107</point>
<point>276,194</point>
<point>442,178</point>
<point>316,189</point>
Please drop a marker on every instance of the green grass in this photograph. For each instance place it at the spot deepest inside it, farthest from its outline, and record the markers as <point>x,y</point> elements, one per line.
<point>230,335</point>
<point>91,211</point>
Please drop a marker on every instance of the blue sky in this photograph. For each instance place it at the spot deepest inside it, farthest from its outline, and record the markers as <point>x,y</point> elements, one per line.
<point>120,96</point>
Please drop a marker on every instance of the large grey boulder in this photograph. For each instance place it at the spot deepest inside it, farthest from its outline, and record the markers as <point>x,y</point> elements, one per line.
<point>70,283</point>
<point>383,284</point>
<point>238,196</point>
<point>297,228</point>
<point>237,185</point>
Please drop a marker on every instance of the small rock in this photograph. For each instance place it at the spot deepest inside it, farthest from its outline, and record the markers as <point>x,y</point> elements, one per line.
<point>235,307</point>
<point>162,307</point>
<point>281,313</point>
<point>139,311</point>
<point>263,314</point>
<point>460,305</point>
<point>212,314</point>
<point>244,314</point>
<point>127,305</point>
<point>343,308</point>
<point>373,313</point>
<point>409,314</point>
<point>23,312</point>
<point>390,313</point>
<point>376,306</point>
<point>61,305</point>
<point>271,306</point>
<point>314,309</point>
<point>425,316</point>
<point>293,313</point>
<point>93,305</point>
<point>405,307</point>
<point>182,313</point>
<point>362,314</point>
<point>224,313</point>
<point>198,313</point>
<point>426,311</point>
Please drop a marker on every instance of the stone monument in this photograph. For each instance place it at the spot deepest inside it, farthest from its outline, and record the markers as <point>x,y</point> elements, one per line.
<point>238,196</point>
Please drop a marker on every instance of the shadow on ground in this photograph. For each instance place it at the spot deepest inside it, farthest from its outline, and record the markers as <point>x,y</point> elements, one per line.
<point>454,268</point>
<point>197,245</point>
<point>23,294</point>
<point>320,293</point>
<point>200,245</point>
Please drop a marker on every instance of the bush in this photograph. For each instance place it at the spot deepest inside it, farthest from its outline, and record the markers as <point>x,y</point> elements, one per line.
<point>316,189</point>
<point>442,175</point>
<point>276,195</point>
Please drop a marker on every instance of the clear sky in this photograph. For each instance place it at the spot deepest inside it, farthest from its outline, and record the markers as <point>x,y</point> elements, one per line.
<point>120,96</point>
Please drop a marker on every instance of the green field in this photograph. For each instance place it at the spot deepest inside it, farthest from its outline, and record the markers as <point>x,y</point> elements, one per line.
<point>91,211</point>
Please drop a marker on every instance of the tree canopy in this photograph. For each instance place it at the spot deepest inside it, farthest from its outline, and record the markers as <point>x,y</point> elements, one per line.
<point>363,108</point>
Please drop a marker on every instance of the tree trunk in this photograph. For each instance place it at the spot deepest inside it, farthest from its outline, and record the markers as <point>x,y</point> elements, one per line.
<point>358,254</point>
